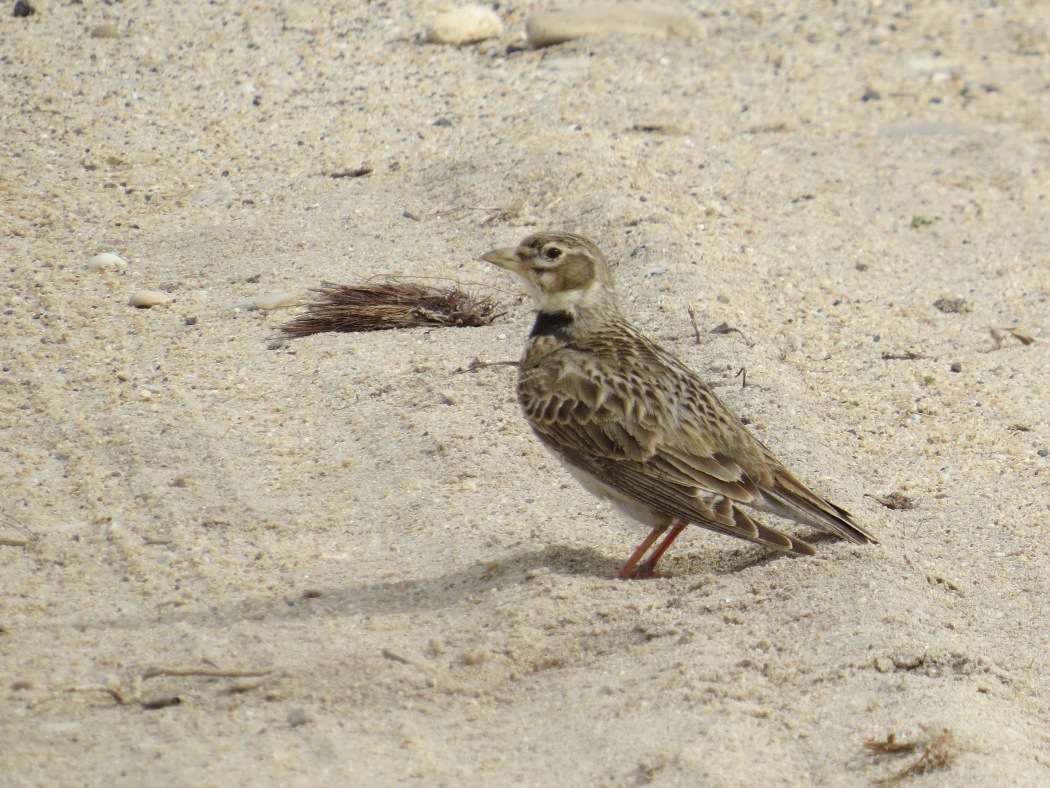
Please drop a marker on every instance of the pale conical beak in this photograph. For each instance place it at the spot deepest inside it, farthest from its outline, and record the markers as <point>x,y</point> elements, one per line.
<point>506,258</point>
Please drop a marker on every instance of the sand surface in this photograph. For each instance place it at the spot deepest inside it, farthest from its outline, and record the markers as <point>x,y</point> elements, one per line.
<point>430,589</point>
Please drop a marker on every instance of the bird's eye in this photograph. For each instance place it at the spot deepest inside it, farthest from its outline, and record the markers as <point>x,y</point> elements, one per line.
<point>552,252</point>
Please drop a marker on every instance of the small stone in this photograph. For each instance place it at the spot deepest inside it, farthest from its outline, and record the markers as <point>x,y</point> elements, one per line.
<point>297,717</point>
<point>24,8</point>
<point>556,26</point>
<point>268,301</point>
<point>106,31</point>
<point>108,261</point>
<point>145,299</point>
<point>465,25</point>
<point>247,683</point>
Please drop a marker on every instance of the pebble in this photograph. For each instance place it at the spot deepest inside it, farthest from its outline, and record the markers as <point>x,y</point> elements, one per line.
<point>144,299</point>
<point>106,31</point>
<point>108,261</point>
<point>247,683</point>
<point>465,25</point>
<point>297,717</point>
<point>268,301</point>
<point>544,28</point>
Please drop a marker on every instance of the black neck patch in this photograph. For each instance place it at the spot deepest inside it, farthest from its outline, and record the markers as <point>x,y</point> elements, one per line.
<point>550,324</point>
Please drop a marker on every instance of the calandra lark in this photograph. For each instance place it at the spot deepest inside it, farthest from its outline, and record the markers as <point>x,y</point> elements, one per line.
<point>634,425</point>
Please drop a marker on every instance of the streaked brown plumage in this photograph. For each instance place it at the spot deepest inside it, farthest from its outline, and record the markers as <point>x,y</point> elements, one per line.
<point>636,426</point>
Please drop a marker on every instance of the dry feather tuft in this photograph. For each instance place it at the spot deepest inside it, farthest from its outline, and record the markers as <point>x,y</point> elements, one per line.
<point>389,304</point>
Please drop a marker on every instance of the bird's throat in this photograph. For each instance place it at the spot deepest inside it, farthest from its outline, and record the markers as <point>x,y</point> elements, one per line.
<point>552,324</point>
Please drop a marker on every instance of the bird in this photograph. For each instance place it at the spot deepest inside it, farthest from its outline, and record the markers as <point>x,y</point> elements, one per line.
<point>634,425</point>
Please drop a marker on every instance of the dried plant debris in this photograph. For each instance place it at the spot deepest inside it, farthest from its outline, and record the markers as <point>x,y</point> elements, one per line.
<point>127,690</point>
<point>953,305</point>
<point>999,336</point>
<point>725,328</point>
<point>477,364</point>
<point>392,303</point>
<point>498,215</point>
<point>933,751</point>
<point>10,524</point>
<point>907,355</point>
<point>897,501</point>
<point>351,172</point>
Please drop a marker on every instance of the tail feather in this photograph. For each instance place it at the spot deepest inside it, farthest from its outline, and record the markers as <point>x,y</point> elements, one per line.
<point>791,499</point>
<point>756,531</point>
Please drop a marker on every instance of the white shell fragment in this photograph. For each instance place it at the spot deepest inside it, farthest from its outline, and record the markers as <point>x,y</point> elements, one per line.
<point>545,28</point>
<point>108,261</point>
<point>268,301</point>
<point>465,25</point>
<point>144,299</point>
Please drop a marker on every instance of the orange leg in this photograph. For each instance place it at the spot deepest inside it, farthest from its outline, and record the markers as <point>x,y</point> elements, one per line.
<point>648,569</point>
<point>627,571</point>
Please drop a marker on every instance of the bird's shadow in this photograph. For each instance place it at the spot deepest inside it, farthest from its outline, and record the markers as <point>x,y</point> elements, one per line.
<point>449,589</point>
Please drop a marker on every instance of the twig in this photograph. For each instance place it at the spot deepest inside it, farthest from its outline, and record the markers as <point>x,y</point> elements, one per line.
<point>725,328</point>
<point>126,697</point>
<point>477,364</point>
<point>153,672</point>
<point>907,355</point>
<point>696,328</point>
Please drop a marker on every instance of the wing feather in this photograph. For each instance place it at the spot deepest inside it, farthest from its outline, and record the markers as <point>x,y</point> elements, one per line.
<point>674,447</point>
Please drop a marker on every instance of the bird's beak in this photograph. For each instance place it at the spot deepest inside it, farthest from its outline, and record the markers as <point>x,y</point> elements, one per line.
<point>506,258</point>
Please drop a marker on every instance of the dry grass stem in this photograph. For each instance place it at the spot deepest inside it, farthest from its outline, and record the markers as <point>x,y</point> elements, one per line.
<point>934,752</point>
<point>26,537</point>
<point>390,304</point>
<point>129,691</point>
<point>999,336</point>
<point>725,328</point>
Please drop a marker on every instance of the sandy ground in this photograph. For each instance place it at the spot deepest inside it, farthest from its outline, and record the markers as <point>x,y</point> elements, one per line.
<point>432,591</point>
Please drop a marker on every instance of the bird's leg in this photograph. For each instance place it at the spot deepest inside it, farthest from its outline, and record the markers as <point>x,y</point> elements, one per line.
<point>627,571</point>
<point>648,569</point>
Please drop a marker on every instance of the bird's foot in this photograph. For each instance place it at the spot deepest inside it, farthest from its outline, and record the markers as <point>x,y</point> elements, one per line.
<point>644,572</point>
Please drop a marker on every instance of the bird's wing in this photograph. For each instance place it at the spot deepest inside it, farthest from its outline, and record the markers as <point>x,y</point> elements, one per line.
<point>677,449</point>
<point>619,435</point>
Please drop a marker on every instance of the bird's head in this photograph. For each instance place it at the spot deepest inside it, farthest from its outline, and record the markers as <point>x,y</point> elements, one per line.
<point>564,272</point>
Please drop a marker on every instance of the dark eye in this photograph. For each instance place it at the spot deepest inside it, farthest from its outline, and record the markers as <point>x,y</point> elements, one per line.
<point>552,252</point>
